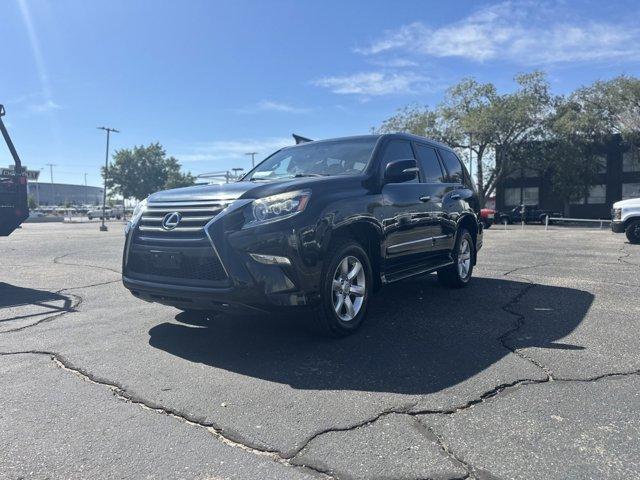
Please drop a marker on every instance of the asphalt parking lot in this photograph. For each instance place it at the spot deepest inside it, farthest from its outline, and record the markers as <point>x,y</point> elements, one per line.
<point>532,372</point>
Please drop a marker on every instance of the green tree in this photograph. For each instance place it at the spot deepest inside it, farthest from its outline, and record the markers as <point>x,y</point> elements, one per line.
<point>474,116</point>
<point>32,202</point>
<point>140,171</point>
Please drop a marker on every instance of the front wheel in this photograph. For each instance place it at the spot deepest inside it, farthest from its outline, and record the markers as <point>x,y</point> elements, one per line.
<point>633,232</point>
<point>458,275</point>
<point>347,282</point>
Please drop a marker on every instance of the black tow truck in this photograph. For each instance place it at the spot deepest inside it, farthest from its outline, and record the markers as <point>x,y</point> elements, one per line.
<point>14,207</point>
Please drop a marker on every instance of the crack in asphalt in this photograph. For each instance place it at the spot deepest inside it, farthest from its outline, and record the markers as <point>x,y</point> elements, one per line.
<point>121,393</point>
<point>624,255</point>
<point>57,261</point>
<point>472,471</point>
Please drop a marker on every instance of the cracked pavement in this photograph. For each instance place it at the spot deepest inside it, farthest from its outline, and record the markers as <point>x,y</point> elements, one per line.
<point>530,372</point>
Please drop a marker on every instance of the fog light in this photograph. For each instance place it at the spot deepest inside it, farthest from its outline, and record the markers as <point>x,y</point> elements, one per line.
<point>270,259</point>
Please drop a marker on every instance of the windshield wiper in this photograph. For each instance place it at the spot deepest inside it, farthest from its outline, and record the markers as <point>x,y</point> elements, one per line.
<point>300,175</point>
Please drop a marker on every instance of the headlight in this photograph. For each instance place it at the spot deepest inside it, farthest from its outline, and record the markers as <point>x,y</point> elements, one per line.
<point>276,207</point>
<point>138,211</point>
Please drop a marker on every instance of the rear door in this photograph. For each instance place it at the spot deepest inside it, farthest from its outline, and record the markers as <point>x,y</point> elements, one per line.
<point>458,196</point>
<point>433,178</point>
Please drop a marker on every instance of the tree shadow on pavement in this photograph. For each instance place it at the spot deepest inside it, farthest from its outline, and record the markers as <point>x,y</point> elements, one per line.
<point>12,297</point>
<point>419,338</point>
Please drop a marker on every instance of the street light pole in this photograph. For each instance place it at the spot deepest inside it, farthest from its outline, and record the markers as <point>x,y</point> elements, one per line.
<point>253,158</point>
<point>53,192</point>
<point>103,227</point>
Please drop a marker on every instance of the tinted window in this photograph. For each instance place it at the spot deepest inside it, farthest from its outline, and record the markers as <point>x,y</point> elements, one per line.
<point>453,166</point>
<point>335,157</point>
<point>397,150</point>
<point>429,163</point>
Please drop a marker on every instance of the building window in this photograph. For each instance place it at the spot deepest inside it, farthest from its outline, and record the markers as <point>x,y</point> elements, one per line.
<point>530,196</point>
<point>630,190</point>
<point>631,160</point>
<point>597,194</point>
<point>511,197</point>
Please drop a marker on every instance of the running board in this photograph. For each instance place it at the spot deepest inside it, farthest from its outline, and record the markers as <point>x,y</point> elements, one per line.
<point>412,272</point>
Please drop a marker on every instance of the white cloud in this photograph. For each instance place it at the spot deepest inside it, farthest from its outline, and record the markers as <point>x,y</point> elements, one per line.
<point>520,32</point>
<point>394,63</point>
<point>272,106</point>
<point>220,151</point>
<point>44,107</point>
<point>375,83</point>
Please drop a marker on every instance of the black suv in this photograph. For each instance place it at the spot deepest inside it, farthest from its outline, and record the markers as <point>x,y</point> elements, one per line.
<point>322,224</point>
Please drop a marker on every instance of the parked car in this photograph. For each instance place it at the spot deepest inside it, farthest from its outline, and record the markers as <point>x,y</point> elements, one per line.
<point>322,224</point>
<point>487,217</point>
<point>108,213</point>
<point>625,217</point>
<point>530,213</point>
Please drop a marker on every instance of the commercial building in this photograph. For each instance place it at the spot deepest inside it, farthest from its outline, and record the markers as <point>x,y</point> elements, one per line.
<point>618,179</point>
<point>62,193</point>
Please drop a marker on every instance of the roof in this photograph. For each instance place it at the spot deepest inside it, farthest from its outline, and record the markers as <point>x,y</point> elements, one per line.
<point>400,135</point>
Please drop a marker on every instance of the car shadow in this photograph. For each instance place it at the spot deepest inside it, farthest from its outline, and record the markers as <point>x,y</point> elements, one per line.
<point>419,337</point>
<point>12,296</point>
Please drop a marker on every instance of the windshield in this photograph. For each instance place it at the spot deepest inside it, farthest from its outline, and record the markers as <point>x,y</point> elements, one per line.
<point>340,157</point>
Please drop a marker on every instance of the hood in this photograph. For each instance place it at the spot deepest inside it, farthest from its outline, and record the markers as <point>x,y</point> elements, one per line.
<point>630,202</point>
<point>253,190</point>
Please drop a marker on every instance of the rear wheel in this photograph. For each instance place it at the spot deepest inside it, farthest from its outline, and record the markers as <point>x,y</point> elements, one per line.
<point>458,275</point>
<point>347,282</point>
<point>633,232</point>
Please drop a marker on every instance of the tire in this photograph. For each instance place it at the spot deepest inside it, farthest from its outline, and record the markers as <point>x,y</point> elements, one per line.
<point>486,224</point>
<point>335,317</point>
<point>456,275</point>
<point>633,232</point>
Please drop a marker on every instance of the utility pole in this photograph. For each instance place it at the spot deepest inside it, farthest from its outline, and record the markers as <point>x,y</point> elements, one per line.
<point>103,227</point>
<point>236,172</point>
<point>471,156</point>
<point>53,192</point>
<point>253,158</point>
<point>85,188</point>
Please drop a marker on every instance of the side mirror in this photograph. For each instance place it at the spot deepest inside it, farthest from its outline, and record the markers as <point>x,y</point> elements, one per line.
<point>400,171</point>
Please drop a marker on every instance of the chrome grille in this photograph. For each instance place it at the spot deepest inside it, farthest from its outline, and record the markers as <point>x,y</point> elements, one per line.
<point>195,215</point>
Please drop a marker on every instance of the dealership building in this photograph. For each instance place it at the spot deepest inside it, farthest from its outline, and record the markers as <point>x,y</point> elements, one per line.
<point>63,193</point>
<point>617,179</point>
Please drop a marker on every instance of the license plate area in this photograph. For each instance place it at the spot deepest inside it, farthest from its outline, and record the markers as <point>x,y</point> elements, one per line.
<point>164,260</point>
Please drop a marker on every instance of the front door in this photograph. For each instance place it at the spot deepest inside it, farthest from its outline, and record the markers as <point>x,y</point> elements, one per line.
<point>407,215</point>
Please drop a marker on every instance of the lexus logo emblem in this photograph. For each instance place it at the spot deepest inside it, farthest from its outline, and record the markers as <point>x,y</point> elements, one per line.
<point>171,220</point>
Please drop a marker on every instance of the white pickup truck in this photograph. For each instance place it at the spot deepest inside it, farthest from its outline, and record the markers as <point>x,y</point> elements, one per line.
<point>625,217</point>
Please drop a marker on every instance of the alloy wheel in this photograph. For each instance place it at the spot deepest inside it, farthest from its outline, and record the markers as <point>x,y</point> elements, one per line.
<point>464,258</point>
<point>348,287</point>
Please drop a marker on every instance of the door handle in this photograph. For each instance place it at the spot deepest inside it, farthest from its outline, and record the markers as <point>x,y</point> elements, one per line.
<point>425,198</point>
<point>455,196</point>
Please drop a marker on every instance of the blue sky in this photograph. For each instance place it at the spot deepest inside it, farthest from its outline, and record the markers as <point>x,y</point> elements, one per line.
<point>212,80</point>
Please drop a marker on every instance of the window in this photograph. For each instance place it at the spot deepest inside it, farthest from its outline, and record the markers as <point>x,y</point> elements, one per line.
<point>336,157</point>
<point>602,164</point>
<point>530,195</point>
<point>597,194</point>
<point>430,164</point>
<point>397,150</point>
<point>453,166</point>
<point>630,190</point>
<point>631,160</point>
<point>512,198</point>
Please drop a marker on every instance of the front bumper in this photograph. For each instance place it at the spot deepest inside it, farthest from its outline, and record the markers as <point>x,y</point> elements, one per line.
<point>617,227</point>
<point>245,285</point>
